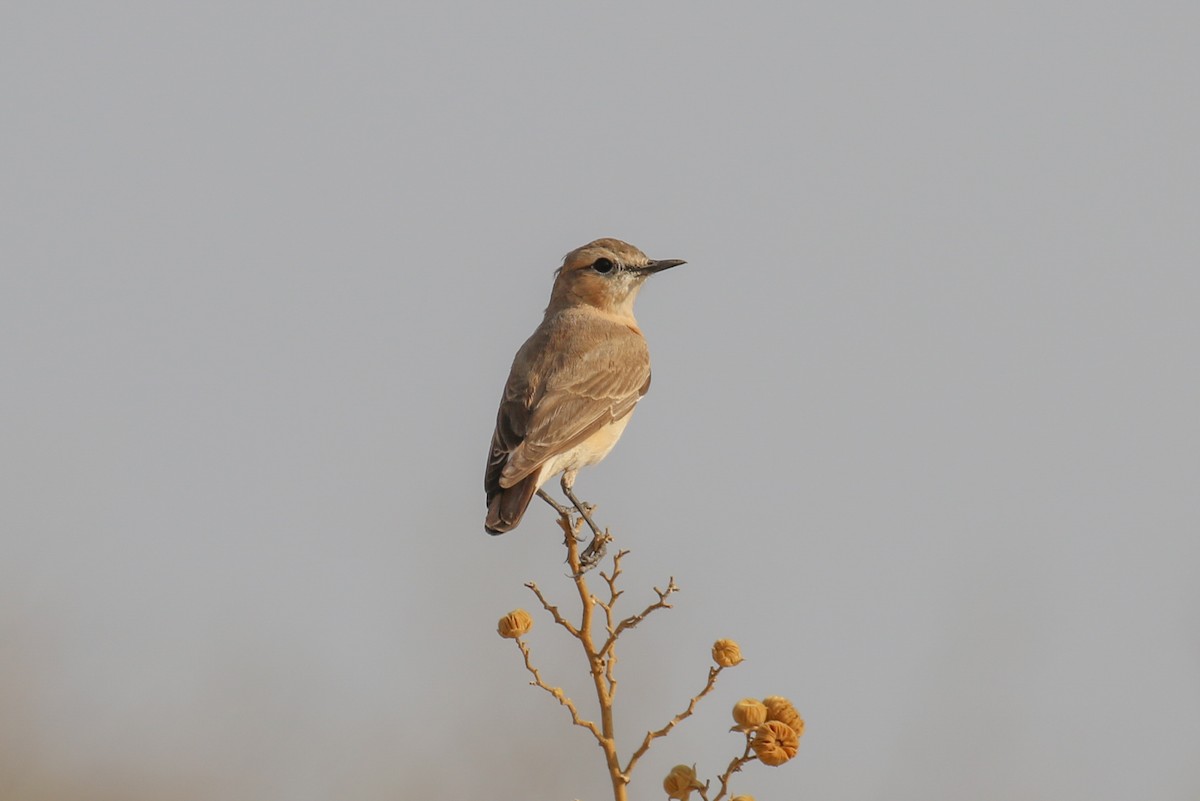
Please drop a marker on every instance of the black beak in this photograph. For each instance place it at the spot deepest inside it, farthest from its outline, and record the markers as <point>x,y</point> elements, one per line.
<point>659,266</point>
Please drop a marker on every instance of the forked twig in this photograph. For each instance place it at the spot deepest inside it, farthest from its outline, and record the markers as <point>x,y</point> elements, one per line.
<point>633,620</point>
<point>734,766</point>
<point>607,654</point>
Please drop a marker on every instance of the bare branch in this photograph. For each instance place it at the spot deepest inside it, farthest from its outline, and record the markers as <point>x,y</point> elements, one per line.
<point>598,665</point>
<point>651,736</point>
<point>553,610</point>
<point>633,620</point>
<point>606,652</point>
<point>611,580</point>
<point>609,657</point>
<point>571,529</point>
<point>734,766</point>
<point>558,694</point>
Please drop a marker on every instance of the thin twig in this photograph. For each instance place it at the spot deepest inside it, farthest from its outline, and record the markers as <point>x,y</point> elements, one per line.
<point>651,736</point>
<point>609,659</point>
<point>734,766</point>
<point>553,610</point>
<point>558,694</point>
<point>633,620</point>
<point>613,592</point>
<point>606,652</point>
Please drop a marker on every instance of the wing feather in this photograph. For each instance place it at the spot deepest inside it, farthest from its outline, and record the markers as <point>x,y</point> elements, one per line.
<point>586,381</point>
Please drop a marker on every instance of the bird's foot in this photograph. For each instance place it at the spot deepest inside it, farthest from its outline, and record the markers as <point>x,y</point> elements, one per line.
<point>595,551</point>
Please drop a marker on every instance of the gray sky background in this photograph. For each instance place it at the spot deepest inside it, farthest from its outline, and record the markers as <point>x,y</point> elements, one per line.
<point>923,433</point>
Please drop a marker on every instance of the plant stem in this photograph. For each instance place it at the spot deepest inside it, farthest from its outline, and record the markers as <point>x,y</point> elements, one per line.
<point>596,663</point>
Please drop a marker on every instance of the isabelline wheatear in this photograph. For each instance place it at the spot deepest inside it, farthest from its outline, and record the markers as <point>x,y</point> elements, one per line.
<point>574,383</point>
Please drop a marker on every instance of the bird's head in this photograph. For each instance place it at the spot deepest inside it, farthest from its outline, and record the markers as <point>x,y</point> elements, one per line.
<point>606,274</point>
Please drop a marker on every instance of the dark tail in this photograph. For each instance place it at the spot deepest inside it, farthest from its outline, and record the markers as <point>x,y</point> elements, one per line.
<point>507,506</point>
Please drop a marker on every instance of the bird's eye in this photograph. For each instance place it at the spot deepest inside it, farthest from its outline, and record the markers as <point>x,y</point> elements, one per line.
<point>602,265</point>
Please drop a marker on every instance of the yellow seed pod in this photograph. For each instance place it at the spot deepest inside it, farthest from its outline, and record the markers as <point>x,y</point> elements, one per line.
<point>749,713</point>
<point>781,709</point>
<point>775,743</point>
<point>514,624</point>
<point>680,782</point>
<point>726,653</point>
<point>743,798</point>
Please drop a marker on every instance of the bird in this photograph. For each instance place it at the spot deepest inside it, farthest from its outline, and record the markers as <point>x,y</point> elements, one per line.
<point>574,383</point>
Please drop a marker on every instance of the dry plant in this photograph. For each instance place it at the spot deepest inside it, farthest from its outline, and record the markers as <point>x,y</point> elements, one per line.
<point>770,728</point>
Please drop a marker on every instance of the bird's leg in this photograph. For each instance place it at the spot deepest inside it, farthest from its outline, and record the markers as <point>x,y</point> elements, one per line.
<point>558,507</point>
<point>563,511</point>
<point>591,555</point>
<point>584,509</point>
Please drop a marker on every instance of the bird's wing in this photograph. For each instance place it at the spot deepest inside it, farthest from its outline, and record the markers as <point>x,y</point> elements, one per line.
<point>511,422</point>
<point>597,383</point>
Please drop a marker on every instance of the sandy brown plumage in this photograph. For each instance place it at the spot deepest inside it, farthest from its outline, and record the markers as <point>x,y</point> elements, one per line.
<point>574,382</point>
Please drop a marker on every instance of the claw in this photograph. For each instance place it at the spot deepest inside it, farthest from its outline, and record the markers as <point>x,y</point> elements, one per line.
<point>595,552</point>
